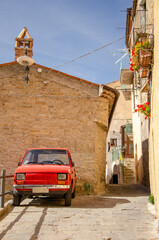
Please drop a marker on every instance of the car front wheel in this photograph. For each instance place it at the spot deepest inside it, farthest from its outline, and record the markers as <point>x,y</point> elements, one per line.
<point>16,200</point>
<point>68,197</point>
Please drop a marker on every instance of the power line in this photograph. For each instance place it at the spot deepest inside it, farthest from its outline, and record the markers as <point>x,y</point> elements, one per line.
<point>84,55</point>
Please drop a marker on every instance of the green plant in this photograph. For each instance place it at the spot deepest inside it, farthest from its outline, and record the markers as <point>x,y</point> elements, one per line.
<point>87,187</point>
<point>144,45</point>
<point>151,199</point>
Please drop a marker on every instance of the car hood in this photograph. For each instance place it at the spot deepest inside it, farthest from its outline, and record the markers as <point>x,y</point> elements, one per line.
<point>43,168</point>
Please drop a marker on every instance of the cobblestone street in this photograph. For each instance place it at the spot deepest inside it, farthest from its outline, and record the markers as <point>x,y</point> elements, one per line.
<point>90,217</point>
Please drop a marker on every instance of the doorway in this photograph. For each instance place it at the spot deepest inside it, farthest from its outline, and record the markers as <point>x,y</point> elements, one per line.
<point>115,178</point>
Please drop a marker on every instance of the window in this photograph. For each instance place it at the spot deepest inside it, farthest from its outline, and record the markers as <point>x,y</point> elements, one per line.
<point>113,142</point>
<point>46,156</point>
<point>126,141</point>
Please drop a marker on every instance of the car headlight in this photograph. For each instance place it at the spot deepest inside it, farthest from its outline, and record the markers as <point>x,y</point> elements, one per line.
<point>20,176</point>
<point>61,176</point>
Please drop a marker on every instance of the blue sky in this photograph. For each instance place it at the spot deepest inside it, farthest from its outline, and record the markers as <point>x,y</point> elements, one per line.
<point>66,29</point>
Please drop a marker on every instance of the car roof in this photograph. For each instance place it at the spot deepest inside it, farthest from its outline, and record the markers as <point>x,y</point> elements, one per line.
<point>48,149</point>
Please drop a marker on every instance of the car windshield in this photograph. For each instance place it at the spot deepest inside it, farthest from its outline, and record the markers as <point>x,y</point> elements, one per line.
<point>46,156</point>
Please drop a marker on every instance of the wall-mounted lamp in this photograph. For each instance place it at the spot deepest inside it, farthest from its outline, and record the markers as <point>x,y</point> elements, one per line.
<point>25,61</point>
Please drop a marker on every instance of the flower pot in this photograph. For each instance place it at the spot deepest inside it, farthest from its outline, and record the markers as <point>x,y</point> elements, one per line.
<point>143,71</point>
<point>144,57</point>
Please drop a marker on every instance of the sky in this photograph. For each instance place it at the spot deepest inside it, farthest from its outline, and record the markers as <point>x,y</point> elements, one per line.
<point>63,30</point>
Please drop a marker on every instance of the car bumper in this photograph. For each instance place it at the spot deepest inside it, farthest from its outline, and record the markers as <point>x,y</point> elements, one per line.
<point>45,190</point>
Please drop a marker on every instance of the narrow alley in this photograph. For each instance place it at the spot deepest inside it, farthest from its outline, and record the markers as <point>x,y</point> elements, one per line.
<point>120,214</point>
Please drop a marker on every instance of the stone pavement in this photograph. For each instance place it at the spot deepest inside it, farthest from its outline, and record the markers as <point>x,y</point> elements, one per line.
<point>121,217</point>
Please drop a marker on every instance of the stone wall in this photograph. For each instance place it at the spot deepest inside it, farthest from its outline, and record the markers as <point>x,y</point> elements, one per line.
<point>154,126</point>
<point>53,110</point>
<point>100,156</point>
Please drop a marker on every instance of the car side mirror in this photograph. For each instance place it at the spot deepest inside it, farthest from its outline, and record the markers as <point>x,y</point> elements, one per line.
<point>19,164</point>
<point>73,164</point>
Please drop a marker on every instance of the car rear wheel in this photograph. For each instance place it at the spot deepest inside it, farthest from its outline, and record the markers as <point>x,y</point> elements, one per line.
<point>68,197</point>
<point>16,200</point>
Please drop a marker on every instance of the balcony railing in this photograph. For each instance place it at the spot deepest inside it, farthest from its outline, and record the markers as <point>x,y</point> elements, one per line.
<point>119,153</point>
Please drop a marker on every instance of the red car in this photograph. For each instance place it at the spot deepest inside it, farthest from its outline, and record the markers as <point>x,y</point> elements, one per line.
<point>45,172</point>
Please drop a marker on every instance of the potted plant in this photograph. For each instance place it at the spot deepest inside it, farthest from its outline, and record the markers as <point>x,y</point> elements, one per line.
<point>141,58</point>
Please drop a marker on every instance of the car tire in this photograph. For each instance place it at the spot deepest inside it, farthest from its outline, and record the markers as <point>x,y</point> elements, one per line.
<point>16,200</point>
<point>68,197</point>
<point>74,193</point>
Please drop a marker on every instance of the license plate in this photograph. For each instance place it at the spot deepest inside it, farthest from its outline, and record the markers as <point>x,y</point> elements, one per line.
<point>40,190</point>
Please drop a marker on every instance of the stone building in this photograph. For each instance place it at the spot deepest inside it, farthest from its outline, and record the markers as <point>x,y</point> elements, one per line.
<point>143,21</point>
<point>154,122</point>
<point>120,165</point>
<point>54,110</point>
<point>139,29</point>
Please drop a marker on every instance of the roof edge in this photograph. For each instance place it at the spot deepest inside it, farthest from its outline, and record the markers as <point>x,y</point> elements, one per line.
<point>6,64</point>
<point>66,74</point>
<point>112,82</point>
<point>55,71</point>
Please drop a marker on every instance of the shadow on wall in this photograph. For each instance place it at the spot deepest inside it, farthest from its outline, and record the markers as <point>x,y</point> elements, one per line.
<point>142,165</point>
<point>140,172</point>
<point>145,157</point>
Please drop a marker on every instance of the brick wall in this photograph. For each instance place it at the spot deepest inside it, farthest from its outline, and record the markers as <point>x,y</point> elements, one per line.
<point>53,110</point>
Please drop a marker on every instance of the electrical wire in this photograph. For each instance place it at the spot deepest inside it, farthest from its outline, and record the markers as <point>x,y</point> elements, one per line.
<point>86,54</point>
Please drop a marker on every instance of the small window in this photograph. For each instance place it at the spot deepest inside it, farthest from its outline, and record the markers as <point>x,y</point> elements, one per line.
<point>113,142</point>
<point>144,6</point>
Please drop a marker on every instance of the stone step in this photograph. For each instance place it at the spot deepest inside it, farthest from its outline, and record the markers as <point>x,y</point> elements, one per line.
<point>128,177</point>
<point>128,174</point>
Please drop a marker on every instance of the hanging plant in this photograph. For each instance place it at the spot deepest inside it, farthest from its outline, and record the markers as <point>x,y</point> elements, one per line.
<point>145,109</point>
<point>141,57</point>
<point>134,61</point>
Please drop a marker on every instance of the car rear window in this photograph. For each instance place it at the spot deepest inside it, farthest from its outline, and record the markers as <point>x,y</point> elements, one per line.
<point>46,156</point>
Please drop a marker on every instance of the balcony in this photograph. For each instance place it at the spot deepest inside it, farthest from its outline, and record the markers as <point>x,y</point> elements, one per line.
<point>126,77</point>
<point>126,80</point>
<point>126,89</point>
